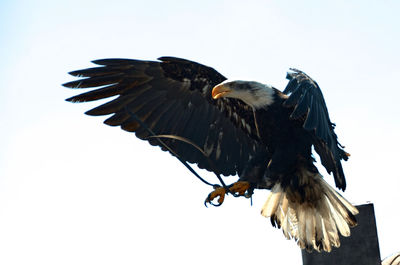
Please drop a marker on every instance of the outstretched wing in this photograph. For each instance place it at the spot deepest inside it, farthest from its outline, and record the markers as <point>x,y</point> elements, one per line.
<point>172,97</point>
<point>309,104</point>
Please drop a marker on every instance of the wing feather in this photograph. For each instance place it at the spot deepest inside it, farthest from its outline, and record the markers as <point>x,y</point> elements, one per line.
<point>117,119</point>
<point>95,81</point>
<point>306,98</point>
<point>172,96</point>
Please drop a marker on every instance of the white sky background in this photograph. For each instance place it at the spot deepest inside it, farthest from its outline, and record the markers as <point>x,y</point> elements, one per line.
<point>74,191</point>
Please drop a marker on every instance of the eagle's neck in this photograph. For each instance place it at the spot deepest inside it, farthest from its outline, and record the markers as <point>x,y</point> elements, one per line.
<point>260,96</point>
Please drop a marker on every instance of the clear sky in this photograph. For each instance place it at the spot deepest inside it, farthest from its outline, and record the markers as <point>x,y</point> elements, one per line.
<point>74,191</point>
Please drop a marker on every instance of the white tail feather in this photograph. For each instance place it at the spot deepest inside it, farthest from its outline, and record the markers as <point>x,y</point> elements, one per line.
<point>314,224</point>
<point>271,205</point>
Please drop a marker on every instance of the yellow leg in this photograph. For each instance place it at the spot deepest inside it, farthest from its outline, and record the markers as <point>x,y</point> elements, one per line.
<point>218,192</point>
<point>239,188</point>
<point>236,189</point>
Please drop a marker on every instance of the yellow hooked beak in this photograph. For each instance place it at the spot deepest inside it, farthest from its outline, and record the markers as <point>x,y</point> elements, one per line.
<point>219,91</point>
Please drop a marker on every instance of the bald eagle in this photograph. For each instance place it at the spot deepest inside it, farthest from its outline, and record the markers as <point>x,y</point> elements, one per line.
<point>244,128</point>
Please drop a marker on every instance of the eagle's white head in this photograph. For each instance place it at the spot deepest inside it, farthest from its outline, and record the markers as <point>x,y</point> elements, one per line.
<point>252,93</point>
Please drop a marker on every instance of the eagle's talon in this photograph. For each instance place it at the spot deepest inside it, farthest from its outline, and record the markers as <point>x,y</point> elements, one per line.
<point>239,188</point>
<point>213,204</point>
<point>218,192</point>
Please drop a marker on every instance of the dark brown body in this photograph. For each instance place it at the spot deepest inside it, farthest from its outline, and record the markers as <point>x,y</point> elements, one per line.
<point>287,147</point>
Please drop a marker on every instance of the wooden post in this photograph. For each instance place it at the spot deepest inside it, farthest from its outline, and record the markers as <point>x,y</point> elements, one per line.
<point>361,247</point>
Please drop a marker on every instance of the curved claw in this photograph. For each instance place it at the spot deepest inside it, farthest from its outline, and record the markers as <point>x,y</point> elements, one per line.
<point>218,192</point>
<point>213,204</point>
